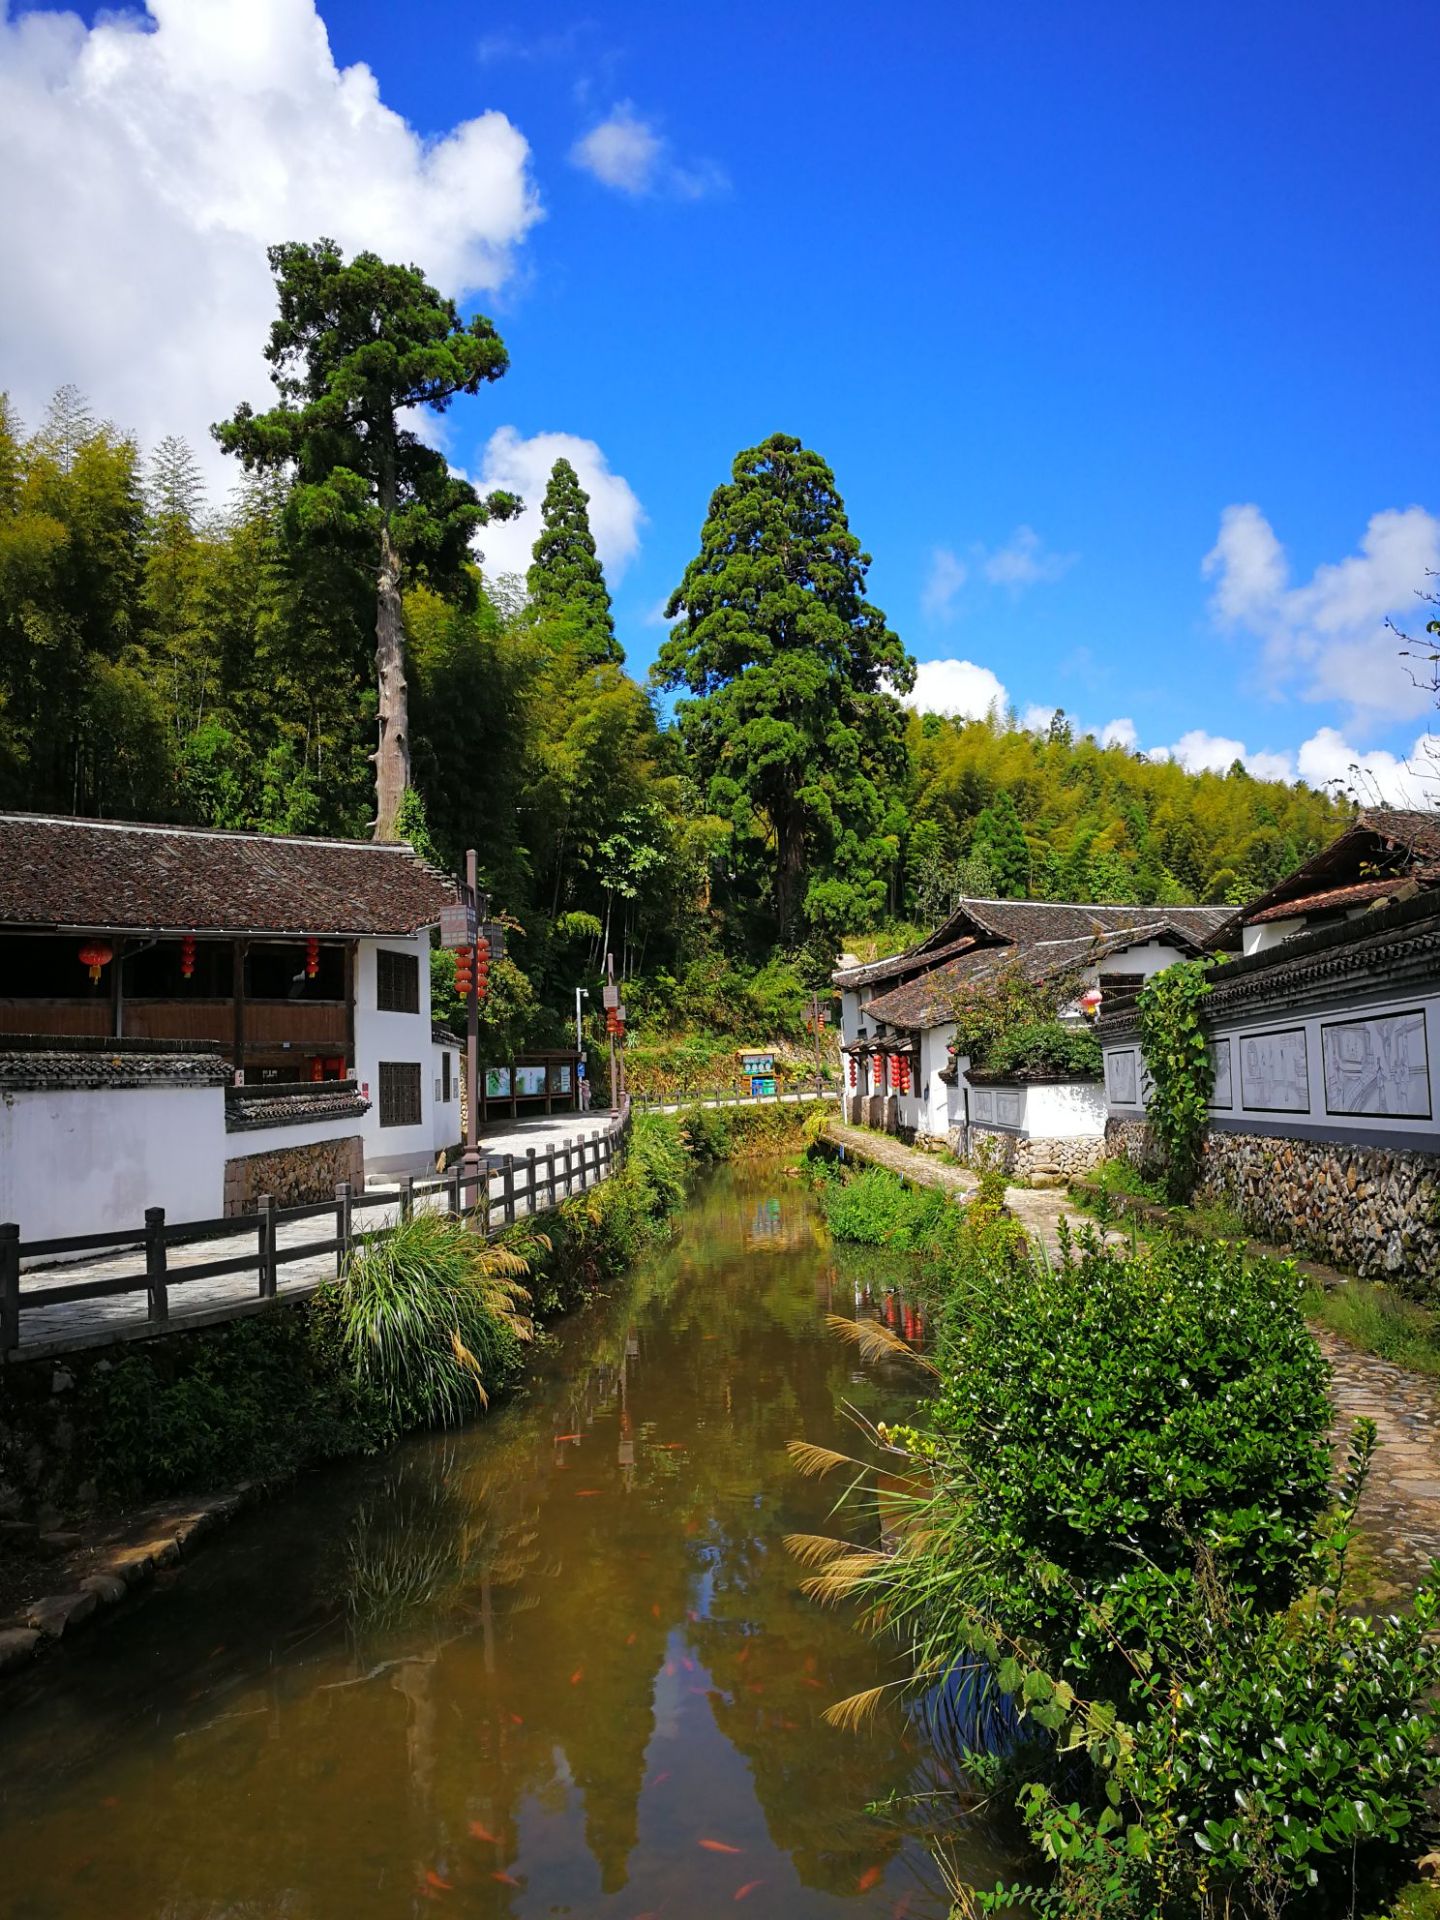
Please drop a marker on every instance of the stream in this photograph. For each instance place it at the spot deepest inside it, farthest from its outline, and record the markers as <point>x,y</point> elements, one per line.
<point>554,1664</point>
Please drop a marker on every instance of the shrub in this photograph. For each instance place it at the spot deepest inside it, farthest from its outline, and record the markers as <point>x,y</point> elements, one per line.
<point>706,1133</point>
<point>430,1317</point>
<point>1045,1046</point>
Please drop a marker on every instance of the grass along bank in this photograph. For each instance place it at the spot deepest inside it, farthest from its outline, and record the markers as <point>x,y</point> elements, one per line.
<point>1120,1587</point>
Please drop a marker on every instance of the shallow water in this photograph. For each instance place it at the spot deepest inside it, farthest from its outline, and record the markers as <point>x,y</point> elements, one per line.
<point>556,1664</point>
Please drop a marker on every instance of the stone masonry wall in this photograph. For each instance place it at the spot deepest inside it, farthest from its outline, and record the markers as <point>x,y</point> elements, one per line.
<point>1368,1208</point>
<point>1028,1159</point>
<point>294,1176</point>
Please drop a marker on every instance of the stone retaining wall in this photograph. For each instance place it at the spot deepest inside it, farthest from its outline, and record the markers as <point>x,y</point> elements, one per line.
<point>294,1176</point>
<point>1025,1158</point>
<point>1368,1208</point>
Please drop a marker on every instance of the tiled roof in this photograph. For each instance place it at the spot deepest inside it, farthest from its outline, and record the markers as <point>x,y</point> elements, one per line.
<point>931,999</point>
<point>1353,896</point>
<point>1380,842</point>
<point>1024,921</point>
<point>83,874</point>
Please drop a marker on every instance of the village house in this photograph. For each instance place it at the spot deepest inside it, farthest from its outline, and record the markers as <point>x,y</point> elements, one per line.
<point>189,1019</point>
<point>898,1024</point>
<point>1324,1024</point>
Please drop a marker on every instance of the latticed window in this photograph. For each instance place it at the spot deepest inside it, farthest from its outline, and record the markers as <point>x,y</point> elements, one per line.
<point>397,982</point>
<point>400,1093</point>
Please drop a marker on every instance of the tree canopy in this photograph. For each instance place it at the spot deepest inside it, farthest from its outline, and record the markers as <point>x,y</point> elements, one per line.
<point>355,347</point>
<point>793,721</point>
<point>567,585</point>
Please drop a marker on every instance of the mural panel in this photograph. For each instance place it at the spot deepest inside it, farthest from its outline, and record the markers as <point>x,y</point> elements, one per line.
<point>1380,1065</point>
<point>1122,1078</point>
<point>1223,1092</point>
<point>1275,1071</point>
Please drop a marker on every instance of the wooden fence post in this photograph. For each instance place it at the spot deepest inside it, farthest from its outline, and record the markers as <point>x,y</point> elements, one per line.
<point>9,1286</point>
<point>155,1287</point>
<point>344,1215</point>
<point>407,1196</point>
<point>530,1174</point>
<point>569,1169</point>
<point>456,1193</point>
<point>267,1246</point>
<point>509,1190</point>
<point>550,1177</point>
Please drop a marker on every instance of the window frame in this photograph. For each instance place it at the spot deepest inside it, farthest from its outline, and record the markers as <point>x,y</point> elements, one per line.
<point>394,970</point>
<point>391,1096</point>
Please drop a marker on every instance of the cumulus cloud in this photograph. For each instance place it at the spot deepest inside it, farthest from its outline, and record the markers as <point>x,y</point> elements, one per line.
<point>522,466</point>
<point>1025,561</point>
<point>1036,718</point>
<point>162,152</point>
<point>946,577</point>
<point>1327,636</point>
<point>625,152</point>
<point>1120,733</point>
<point>957,687</point>
<point>1328,760</point>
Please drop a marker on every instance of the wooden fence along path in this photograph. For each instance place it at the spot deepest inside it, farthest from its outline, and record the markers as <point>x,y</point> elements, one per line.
<point>178,1274</point>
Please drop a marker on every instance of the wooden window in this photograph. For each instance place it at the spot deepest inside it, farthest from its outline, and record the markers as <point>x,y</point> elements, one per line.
<point>445,1074</point>
<point>397,982</point>
<point>400,1093</point>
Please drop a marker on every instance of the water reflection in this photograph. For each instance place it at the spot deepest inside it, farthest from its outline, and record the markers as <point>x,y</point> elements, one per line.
<point>556,1664</point>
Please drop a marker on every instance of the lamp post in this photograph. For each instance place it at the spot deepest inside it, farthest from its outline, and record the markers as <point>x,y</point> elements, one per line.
<point>581,993</point>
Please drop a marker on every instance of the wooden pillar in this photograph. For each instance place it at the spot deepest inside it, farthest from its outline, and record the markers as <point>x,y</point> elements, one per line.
<point>117,988</point>
<point>238,987</point>
<point>352,1065</point>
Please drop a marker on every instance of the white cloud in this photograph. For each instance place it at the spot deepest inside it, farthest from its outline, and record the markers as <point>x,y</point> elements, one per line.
<point>1326,759</point>
<point>1024,561</point>
<point>1201,752</point>
<point>626,153</point>
<point>956,687</point>
<point>161,153</point>
<point>1120,733</point>
<point>947,575</point>
<point>523,466</point>
<point>1328,636</point>
<point>1036,718</point>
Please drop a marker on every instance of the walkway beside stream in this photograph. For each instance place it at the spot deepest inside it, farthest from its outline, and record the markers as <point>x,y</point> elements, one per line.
<point>1400,1517</point>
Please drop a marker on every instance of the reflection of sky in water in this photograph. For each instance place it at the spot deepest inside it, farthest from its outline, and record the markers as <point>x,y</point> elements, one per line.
<point>522,1670</point>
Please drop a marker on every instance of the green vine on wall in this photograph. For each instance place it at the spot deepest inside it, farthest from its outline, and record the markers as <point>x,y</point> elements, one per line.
<point>1182,1068</point>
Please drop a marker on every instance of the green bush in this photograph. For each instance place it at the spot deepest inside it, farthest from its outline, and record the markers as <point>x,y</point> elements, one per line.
<point>430,1317</point>
<point>596,1234</point>
<point>707,1134</point>
<point>1114,1414</point>
<point>1045,1046</point>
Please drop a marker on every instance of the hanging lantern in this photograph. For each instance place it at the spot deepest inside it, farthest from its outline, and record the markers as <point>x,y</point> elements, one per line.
<point>187,957</point>
<point>312,958</point>
<point>482,967</point>
<point>1090,1002</point>
<point>95,955</point>
<point>854,1072</point>
<point>464,971</point>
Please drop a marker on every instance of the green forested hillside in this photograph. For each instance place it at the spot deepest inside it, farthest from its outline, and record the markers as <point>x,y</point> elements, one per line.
<point>166,657</point>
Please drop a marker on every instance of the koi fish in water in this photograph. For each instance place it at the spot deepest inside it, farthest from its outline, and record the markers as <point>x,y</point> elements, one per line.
<point>871,1877</point>
<point>720,1846</point>
<point>743,1893</point>
<point>432,1879</point>
<point>561,1438</point>
<point>577,1676</point>
<point>479,1831</point>
<point>507,1879</point>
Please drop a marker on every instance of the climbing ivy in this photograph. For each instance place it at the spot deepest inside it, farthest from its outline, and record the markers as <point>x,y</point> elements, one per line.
<point>1182,1070</point>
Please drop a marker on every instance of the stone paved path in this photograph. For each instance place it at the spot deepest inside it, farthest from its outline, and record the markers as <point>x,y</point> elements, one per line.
<point>74,1325</point>
<point>1400,1515</point>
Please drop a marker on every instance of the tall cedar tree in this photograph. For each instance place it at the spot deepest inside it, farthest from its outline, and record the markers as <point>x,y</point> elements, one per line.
<point>353,348</point>
<point>794,719</point>
<point>565,579</point>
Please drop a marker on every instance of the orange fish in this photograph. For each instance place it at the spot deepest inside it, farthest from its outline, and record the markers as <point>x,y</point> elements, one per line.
<point>560,1438</point>
<point>516,1721</point>
<point>806,1681</point>
<point>432,1879</point>
<point>900,1908</point>
<point>719,1846</point>
<point>871,1877</point>
<point>743,1893</point>
<point>744,1656</point>
<point>655,1611</point>
<point>629,1639</point>
<point>661,1778</point>
<point>507,1879</point>
<point>586,1493</point>
<point>754,1686</point>
<point>480,1831</point>
<point>577,1676</point>
<point>670,1669</point>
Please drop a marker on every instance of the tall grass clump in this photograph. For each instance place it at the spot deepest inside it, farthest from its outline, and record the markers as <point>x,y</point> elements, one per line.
<point>431,1318</point>
<point>1114,1518</point>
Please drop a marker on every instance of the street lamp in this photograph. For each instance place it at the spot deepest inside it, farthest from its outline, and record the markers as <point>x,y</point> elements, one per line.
<point>581,993</point>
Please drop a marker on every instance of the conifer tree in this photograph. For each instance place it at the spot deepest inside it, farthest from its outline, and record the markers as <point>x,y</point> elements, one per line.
<point>566,582</point>
<point>793,719</point>
<point>999,839</point>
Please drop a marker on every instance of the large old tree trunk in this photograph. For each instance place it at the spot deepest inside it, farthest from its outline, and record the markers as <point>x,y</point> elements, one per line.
<point>392,752</point>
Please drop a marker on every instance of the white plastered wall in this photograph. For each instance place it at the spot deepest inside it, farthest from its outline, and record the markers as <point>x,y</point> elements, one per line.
<point>401,1037</point>
<point>87,1159</point>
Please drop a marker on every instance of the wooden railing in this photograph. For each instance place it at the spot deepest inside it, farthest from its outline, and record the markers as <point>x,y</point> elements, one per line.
<point>530,1185</point>
<point>730,1096</point>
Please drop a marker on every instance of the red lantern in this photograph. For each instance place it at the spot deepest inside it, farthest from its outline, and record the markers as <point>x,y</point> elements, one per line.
<point>464,971</point>
<point>312,958</point>
<point>482,967</point>
<point>96,955</point>
<point>854,1072</point>
<point>187,957</point>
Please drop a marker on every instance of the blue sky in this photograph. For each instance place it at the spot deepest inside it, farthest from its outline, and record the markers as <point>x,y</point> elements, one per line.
<point>1070,299</point>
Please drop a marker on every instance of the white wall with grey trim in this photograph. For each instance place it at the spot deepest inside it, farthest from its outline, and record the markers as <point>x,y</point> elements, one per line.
<point>1365,1070</point>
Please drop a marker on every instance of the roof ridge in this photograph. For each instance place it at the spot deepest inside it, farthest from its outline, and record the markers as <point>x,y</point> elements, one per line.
<point>247,834</point>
